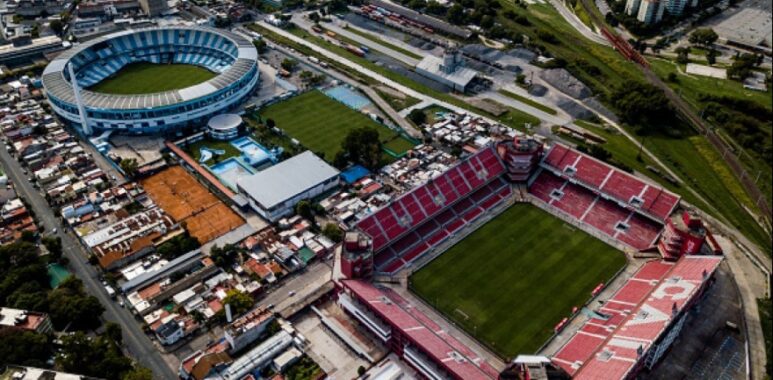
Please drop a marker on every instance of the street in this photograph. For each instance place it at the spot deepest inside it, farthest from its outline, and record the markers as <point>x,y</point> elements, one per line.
<point>138,345</point>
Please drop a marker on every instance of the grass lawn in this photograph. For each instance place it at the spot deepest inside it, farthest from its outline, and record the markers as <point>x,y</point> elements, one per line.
<point>395,102</point>
<point>147,78</point>
<point>766,317</point>
<point>528,101</point>
<point>399,145</point>
<point>511,281</point>
<point>318,122</point>
<point>194,151</point>
<point>691,87</point>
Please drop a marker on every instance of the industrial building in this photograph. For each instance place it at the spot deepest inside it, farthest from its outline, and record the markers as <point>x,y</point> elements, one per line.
<point>448,70</point>
<point>273,192</point>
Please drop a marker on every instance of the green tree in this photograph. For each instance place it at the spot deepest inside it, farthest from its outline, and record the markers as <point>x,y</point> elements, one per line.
<point>226,256</point>
<point>704,37</point>
<point>333,232</point>
<point>642,104</point>
<point>138,373</point>
<point>304,209</point>
<point>456,14</point>
<point>682,55</point>
<point>129,166</point>
<point>417,116</point>
<point>23,347</point>
<point>93,356</point>
<point>289,64</point>
<point>178,245</point>
<point>240,302</point>
<point>54,246</point>
<point>260,45</point>
<point>22,270</point>
<point>363,146</point>
<point>56,26</point>
<point>69,304</point>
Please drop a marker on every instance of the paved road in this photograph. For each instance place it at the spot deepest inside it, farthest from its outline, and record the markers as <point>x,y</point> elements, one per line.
<point>137,343</point>
<point>577,24</point>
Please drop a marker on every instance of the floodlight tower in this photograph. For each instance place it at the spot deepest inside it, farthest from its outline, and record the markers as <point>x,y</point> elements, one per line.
<point>81,109</point>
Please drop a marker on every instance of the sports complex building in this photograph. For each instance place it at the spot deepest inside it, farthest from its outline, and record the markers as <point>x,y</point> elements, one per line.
<point>230,57</point>
<point>629,332</point>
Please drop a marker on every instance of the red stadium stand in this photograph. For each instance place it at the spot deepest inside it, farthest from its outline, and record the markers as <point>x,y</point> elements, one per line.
<point>649,200</point>
<point>418,205</point>
<point>417,221</point>
<point>637,325</point>
<point>611,201</point>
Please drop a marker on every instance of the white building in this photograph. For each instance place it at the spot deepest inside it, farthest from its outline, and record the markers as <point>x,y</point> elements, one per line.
<point>273,192</point>
<point>448,70</point>
<point>247,328</point>
<point>224,126</point>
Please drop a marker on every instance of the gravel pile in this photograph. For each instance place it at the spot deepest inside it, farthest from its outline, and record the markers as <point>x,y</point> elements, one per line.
<point>566,83</point>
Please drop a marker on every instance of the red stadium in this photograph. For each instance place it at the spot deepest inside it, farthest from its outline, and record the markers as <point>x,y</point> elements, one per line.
<point>621,209</point>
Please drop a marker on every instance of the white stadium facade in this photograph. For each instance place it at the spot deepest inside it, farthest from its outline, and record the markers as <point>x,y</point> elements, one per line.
<point>231,56</point>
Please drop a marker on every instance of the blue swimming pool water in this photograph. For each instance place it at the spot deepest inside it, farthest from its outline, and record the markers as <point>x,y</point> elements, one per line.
<point>348,96</point>
<point>230,169</point>
<point>252,152</point>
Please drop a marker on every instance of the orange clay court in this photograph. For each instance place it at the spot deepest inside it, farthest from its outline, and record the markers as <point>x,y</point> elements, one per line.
<point>187,201</point>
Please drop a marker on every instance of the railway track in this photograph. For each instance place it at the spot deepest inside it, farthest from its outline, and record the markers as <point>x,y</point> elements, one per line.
<point>726,150</point>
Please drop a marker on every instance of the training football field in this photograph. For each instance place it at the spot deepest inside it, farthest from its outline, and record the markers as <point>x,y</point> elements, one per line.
<point>146,78</point>
<point>512,280</point>
<point>319,122</point>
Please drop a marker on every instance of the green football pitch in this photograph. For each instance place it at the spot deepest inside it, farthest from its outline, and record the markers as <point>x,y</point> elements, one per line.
<point>146,78</point>
<point>512,280</point>
<point>321,123</point>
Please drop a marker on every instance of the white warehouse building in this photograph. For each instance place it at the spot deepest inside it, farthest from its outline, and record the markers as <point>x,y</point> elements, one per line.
<point>273,192</point>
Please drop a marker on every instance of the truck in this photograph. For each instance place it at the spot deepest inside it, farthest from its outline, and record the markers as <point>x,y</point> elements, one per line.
<point>355,50</point>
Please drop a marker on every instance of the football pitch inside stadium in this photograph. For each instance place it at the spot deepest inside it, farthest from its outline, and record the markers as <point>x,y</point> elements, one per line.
<point>511,281</point>
<point>320,123</point>
<point>146,78</point>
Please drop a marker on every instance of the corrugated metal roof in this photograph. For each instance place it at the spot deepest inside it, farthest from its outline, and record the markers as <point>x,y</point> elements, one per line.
<point>287,179</point>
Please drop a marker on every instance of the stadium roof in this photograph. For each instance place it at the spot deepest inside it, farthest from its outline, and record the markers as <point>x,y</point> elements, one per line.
<point>286,179</point>
<point>57,85</point>
<point>454,356</point>
<point>638,315</point>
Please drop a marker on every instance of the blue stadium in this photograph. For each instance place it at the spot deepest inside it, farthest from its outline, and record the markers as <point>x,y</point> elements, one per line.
<point>232,57</point>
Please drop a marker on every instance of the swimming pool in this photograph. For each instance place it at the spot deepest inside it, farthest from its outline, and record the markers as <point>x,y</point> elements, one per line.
<point>254,153</point>
<point>347,96</point>
<point>229,170</point>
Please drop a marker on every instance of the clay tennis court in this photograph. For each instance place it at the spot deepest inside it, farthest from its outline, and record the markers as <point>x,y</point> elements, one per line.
<point>191,204</point>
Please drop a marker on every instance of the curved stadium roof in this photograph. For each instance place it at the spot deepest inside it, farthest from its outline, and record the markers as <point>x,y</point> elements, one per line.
<point>58,86</point>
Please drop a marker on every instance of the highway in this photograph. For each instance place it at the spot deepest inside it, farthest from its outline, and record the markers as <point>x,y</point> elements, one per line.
<point>138,345</point>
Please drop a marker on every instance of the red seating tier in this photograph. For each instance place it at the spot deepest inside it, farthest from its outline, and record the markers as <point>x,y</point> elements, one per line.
<point>575,201</point>
<point>415,207</point>
<point>601,177</point>
<point>604,215</point>
<point>591,172</point>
